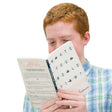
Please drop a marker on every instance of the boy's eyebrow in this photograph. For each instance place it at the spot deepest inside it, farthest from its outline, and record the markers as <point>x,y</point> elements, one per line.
<point>65,36</point>
<point>49,39</point>
<point>62,37</point>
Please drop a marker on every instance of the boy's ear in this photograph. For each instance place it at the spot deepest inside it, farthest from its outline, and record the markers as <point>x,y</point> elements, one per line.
<point>86,38</point>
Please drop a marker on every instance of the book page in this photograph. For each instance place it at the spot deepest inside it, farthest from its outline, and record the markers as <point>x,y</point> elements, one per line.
<point>67,69</point>
<point>37,80</point>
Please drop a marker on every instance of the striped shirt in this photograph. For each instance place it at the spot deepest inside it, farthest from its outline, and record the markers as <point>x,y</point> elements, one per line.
<point>99,99</point>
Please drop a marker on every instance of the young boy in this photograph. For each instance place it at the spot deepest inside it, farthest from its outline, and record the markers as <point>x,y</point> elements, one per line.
<point>68,22</point>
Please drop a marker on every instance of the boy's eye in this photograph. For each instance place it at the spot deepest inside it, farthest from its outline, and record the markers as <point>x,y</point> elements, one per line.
<point>51,43</point>
<point>65,40</point>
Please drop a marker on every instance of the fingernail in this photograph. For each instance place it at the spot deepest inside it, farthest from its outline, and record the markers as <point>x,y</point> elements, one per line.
<point>59,90</point>
<point>58,93</point>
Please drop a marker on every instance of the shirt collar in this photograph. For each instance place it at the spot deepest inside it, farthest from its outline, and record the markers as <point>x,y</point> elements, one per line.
<point>87,67</point>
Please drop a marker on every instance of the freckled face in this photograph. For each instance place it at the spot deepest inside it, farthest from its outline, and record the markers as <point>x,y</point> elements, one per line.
<point>59,33</point>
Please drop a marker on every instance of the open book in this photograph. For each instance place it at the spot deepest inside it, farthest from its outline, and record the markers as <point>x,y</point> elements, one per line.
<point>62,69</point>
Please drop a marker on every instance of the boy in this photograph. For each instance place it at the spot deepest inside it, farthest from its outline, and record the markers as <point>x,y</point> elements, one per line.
<point>68,22</point>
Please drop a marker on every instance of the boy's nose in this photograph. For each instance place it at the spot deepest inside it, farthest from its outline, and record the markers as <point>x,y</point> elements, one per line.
<point>58,45</point>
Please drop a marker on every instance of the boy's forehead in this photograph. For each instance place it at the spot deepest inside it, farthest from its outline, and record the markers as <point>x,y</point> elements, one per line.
<point>61,23</point>
<point>59,27</point>
<point>60,30</point>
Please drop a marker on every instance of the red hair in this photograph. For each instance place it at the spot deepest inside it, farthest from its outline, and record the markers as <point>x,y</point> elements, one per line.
<point>68,12</point>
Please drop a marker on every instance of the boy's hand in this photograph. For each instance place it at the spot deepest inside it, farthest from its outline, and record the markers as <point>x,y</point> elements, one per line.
<point>50,106</point>
<point>71,98</point>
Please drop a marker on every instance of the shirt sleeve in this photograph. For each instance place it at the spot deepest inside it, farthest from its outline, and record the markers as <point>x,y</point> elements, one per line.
<point>27,106</point>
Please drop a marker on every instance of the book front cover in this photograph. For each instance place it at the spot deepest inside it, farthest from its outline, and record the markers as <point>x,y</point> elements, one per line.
<point>67,69</point>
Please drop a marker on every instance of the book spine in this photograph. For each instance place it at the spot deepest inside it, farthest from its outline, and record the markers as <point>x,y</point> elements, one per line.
<point>52,77</point>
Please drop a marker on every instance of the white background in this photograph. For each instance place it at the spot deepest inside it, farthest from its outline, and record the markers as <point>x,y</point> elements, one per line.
<point>21,35</point>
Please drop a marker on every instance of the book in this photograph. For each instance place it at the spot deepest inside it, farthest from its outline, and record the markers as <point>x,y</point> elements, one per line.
<point>62,70</point>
